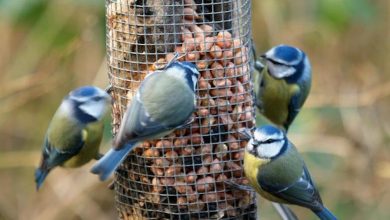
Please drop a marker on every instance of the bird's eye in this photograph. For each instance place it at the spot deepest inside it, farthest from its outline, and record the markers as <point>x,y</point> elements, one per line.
<point>96,98</point>
<point>276,62</point>
<point>268,141</point>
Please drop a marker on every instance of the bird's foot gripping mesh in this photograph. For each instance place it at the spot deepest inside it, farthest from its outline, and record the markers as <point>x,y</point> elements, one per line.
<point>182,176</point>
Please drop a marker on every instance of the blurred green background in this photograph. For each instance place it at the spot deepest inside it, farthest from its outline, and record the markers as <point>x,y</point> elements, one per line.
<point>50,47</point>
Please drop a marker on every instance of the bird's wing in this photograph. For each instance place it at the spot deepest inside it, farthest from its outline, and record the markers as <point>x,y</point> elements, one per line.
<point>294,105</point>
<point>54,155</point>
<point>302,192</point>
<point>139,125</point>
<point>146,125</point>
<point>156,110</point>
<point>258,82</point>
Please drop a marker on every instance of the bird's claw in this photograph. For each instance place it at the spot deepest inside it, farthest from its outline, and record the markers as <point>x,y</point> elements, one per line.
<point>98,156</point>
<point>111,185</point>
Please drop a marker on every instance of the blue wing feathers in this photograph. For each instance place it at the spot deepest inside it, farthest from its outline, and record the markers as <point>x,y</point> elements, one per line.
<point>325,214</point>
<point>40,176</point>
<point>52,157</point>
<point>293,109</point>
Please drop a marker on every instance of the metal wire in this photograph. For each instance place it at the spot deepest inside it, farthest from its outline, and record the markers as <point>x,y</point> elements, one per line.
<point>182,176</point>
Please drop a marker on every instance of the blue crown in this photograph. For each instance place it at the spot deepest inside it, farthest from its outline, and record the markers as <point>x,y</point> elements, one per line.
<point>269,130</point>
<point>290,55</point>
<point>85,91</point>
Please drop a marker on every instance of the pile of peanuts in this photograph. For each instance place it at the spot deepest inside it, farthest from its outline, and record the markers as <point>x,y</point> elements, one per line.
<point>184,173</point>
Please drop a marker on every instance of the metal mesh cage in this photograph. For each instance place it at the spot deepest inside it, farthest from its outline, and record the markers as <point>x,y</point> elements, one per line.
<point>182,176</point>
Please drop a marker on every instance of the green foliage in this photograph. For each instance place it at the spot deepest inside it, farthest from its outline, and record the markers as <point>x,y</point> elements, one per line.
<point>23,12</point>
<point>323,161</point>
<point>339,14</point>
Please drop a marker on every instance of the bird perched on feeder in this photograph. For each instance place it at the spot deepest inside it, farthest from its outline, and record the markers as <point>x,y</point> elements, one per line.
<point>282,84</point>
<point>284,212</point>
<point>75,131</point>
<point>277,172</point>
<point>164,102</point>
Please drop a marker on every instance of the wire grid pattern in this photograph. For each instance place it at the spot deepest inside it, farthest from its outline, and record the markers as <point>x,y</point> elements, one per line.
<point>182,176</point>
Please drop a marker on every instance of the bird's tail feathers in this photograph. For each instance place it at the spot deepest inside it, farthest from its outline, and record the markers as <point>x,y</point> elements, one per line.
<point>325,214</point>
<point>40,176</point>
<point>110,161</point>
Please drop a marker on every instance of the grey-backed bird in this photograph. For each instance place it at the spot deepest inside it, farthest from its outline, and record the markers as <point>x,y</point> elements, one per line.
<point>164,102</point>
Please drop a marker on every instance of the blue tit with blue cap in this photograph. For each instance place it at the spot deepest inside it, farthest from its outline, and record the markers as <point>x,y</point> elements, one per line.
<point>75,131</point>
<point>276,170</point>
<point>282,83</point>
<point>164,102</point>
<point>284,212</point>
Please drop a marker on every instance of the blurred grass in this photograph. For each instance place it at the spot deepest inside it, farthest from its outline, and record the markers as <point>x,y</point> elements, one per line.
<point>50,47</point>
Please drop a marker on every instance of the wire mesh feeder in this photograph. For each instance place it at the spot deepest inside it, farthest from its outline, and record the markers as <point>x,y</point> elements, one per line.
<point>182,176</point>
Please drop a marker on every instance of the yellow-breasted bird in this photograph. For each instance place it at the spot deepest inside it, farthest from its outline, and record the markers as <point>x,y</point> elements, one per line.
<point>278,173</point>
<point>282,84</point>
<point>75,131</point>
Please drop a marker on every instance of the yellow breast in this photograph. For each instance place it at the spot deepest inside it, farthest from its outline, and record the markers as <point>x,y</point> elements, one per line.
<point>252,166</point>
<point>92,136</point>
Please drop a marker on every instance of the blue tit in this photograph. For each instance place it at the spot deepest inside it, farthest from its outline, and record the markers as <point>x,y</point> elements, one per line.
<point>164,102</point>
<point>282,85</point>
<point>278,173</point>
<point>75,131</point>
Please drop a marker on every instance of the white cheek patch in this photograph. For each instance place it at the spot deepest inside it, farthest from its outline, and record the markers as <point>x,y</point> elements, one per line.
<point>270,150</point>
<point>93,108</point>
<point>280,71</point>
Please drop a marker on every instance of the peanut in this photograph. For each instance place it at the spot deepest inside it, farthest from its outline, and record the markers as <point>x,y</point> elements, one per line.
<point>205,184</point>
<point>216,166</point>
<point>216,51</point>
<point>190,13</point>
<point>163,144</point>
<point>171,155</point>
<point>207,29</point>
<point>151,152</point>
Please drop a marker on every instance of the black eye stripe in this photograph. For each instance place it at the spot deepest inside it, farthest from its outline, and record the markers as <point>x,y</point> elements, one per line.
<point>277,63</point>
<point>97,98</point>
<point>270,141</point>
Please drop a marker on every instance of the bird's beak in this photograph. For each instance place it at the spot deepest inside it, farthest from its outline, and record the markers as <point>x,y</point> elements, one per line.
<point>245,133</point>
<point>109,89</point>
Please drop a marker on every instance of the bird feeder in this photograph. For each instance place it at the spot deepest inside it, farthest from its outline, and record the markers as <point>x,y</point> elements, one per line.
<point>183,175</point>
